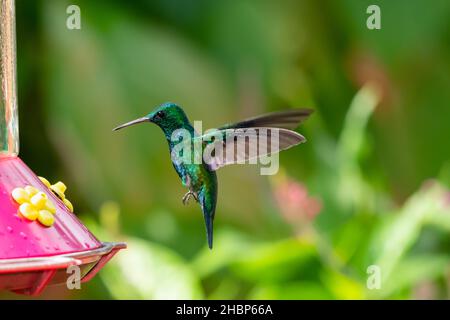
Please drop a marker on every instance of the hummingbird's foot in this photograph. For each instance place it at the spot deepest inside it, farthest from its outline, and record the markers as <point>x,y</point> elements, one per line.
<point>188,195</point>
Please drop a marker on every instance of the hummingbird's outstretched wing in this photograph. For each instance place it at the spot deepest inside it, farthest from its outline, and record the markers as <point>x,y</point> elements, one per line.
<point>247,140</point>
<point>245,145</point>
<point>252,138</point>
<point>290,119</point>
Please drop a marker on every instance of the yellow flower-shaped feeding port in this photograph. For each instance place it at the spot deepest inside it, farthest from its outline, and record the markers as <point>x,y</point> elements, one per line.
<point>34,205</point>
<point>59,189</point>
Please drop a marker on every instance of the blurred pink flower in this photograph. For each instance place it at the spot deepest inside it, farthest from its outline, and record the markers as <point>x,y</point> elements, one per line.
<point>294,202</point>
<point>447,199</point>
<point>425,291</point>
<point>444,191</point>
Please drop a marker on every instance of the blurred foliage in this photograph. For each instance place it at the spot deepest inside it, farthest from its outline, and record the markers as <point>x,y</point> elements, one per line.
<point>375,169</point>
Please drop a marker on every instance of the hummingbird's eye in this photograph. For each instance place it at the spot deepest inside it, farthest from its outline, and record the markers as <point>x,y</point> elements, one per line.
<point>160,114</point>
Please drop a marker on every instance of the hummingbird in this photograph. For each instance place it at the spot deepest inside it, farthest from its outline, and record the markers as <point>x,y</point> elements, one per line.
<point>200,178</point>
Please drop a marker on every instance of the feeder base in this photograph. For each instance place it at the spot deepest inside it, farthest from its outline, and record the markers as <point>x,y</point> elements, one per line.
<point>32,275</point>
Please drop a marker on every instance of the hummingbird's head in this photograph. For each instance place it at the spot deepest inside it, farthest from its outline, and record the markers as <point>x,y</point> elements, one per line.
<point>167,116</point>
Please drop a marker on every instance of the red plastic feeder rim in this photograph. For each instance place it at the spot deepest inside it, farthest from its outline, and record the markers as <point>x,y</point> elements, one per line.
<point>39,235</point>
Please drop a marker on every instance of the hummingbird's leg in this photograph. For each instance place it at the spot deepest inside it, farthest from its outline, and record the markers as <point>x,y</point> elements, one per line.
<point>188,195</point>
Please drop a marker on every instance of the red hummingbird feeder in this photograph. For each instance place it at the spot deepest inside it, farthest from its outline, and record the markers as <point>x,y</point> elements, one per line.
<point>40,238</point>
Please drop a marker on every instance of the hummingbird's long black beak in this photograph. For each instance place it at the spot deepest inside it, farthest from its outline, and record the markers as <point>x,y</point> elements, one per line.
<point>136,121</point>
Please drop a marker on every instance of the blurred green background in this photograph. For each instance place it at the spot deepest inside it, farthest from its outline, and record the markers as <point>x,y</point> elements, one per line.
<point>370,187</point>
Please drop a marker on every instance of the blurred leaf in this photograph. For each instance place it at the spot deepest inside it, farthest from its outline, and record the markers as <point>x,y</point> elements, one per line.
<point>411,271</point>
<point>291,291</point>
<point>275,261</point>
<point>149,271</point>
<point>230,246</point>
<point>255,262</point>
<point>342,286</point>
<point>353,189</point>
<point>396,237</point>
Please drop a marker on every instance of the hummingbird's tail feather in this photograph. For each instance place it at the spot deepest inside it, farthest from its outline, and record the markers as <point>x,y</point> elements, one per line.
<point>209,229</point>
<point>207,200</point>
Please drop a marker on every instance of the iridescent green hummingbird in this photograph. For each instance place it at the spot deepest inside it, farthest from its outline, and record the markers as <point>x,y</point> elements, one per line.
<point>200,177</point>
